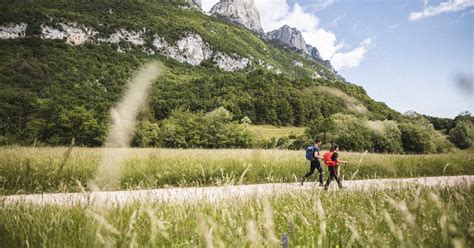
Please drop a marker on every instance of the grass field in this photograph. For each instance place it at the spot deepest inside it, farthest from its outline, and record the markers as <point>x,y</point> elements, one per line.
<point>261,132</point>
<point>410,217</point>
<point>36,170</point>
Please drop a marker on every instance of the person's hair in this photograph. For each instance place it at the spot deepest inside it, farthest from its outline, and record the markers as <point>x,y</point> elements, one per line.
<point>317,140</point>
<point>335,156</point>
<point>334,147</point>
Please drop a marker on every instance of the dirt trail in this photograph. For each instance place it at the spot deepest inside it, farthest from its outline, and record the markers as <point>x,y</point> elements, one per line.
<point>212,194</point>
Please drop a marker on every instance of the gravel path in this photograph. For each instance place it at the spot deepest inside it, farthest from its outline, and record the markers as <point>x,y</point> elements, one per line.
<point>212,194</point>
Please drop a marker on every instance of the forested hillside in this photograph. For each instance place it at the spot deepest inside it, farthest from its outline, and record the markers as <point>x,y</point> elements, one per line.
<point>54,89</point>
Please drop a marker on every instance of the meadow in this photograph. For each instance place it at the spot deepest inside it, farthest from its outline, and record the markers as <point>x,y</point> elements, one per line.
<point>38,170</point>
<point>407,217</point>
<point>261,132</point>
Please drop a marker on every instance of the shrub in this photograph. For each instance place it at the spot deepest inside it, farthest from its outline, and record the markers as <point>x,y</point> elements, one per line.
<point>212,130</point>
<point>415,139</point>
<point>351,133</point>
<point>388,139</point>
<point>245,120</point>
<point>463,134</point>
<point>147,134</point>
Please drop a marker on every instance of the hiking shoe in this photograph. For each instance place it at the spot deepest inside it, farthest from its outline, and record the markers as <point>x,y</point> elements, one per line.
<point>321,184</point>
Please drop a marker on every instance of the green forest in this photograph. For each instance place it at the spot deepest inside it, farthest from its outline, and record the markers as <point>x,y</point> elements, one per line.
<point>52,92</point>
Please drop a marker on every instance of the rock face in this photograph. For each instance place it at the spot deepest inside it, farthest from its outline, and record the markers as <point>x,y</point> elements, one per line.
<point>133,37</point>
<point>313,52</point>
<point>194,3</point>
<point>288,36</point>
<point>13,31</point>
<point>193,50</point>
<point>293,38</point>
<point>242,12</point>
<point>198,3</point>
<point>72,32</point>
<point>230,63</point>
<point>190,49</point>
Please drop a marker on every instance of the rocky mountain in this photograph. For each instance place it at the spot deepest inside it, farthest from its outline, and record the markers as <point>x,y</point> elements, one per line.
<point>293,38</point>
<point>198,3</point>
<point>75,60</point>
<point>194,3</point>
<point>242,12</point>
<point>288,36</point>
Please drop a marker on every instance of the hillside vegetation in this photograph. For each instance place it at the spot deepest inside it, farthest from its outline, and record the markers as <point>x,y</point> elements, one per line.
<point>52,92</point>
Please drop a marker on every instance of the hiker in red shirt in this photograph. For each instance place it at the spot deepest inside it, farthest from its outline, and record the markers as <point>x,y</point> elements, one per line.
<point>331,159</point>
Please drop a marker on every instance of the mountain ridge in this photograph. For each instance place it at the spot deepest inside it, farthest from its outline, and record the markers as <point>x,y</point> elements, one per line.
<point>67,64</point>
<point>243,12</point>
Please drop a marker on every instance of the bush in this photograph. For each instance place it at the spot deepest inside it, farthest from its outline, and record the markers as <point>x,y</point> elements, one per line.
<point>415,139</point>
<point>351,133</point>
<point>147,134</point>
<point>245,120</point>
<point>213,130</point>
<point>320,127</point>
<point>463,134</point>
<point>387,140</point>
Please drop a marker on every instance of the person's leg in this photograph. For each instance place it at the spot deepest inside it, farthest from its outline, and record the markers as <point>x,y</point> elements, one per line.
<point>320,170</point>
<point>337,177</point>
<point>311,171</point>
<point>338,182</point>
<point>331,175</point>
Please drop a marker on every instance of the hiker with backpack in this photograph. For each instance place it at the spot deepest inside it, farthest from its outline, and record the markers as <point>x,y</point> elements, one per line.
<point>331,159</point>
<point>312,154</point>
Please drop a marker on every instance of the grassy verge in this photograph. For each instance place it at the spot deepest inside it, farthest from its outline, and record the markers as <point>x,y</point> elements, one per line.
<point>28,170</point>
<point>415,217</point>
<point>261,132</point>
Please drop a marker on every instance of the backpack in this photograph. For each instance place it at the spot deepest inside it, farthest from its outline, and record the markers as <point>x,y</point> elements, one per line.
<point>310,153</point>
<point>328,158</point>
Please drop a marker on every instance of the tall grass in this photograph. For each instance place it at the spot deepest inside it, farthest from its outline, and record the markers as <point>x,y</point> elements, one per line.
<point>261,132</point>
<point>27,170</point>
<point>409,217</point>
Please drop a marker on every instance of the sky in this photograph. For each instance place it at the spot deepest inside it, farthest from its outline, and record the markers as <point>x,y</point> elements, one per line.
<point>411,54</point>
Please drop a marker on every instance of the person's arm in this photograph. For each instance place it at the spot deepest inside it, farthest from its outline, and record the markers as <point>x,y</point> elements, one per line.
<point>342,161</point>
<point>318,157</point>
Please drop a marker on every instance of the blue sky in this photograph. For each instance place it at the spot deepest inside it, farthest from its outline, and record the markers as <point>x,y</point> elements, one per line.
<point>410,54</point>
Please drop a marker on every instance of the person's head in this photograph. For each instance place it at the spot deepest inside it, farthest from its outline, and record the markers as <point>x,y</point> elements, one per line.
<point>317,141</point>
<point>334,148</point>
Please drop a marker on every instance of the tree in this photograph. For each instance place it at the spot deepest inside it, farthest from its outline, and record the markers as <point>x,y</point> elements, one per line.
<point>147,134</point>
<point>415,139</point>
<point>320,126</point>
<point>388,139</point>
<point>463,134</point>
<point>351,133</point>
<point>284,112</point>
<point>79,123</point>
<point>246,120</point>
<point>184,129</point>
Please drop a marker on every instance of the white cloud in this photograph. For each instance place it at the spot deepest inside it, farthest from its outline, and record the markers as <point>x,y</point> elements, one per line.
<point>276,13</point>
<point>321,5</point>
<point>443,7</point>
<point>335,21</point>
<point>350,59</point>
